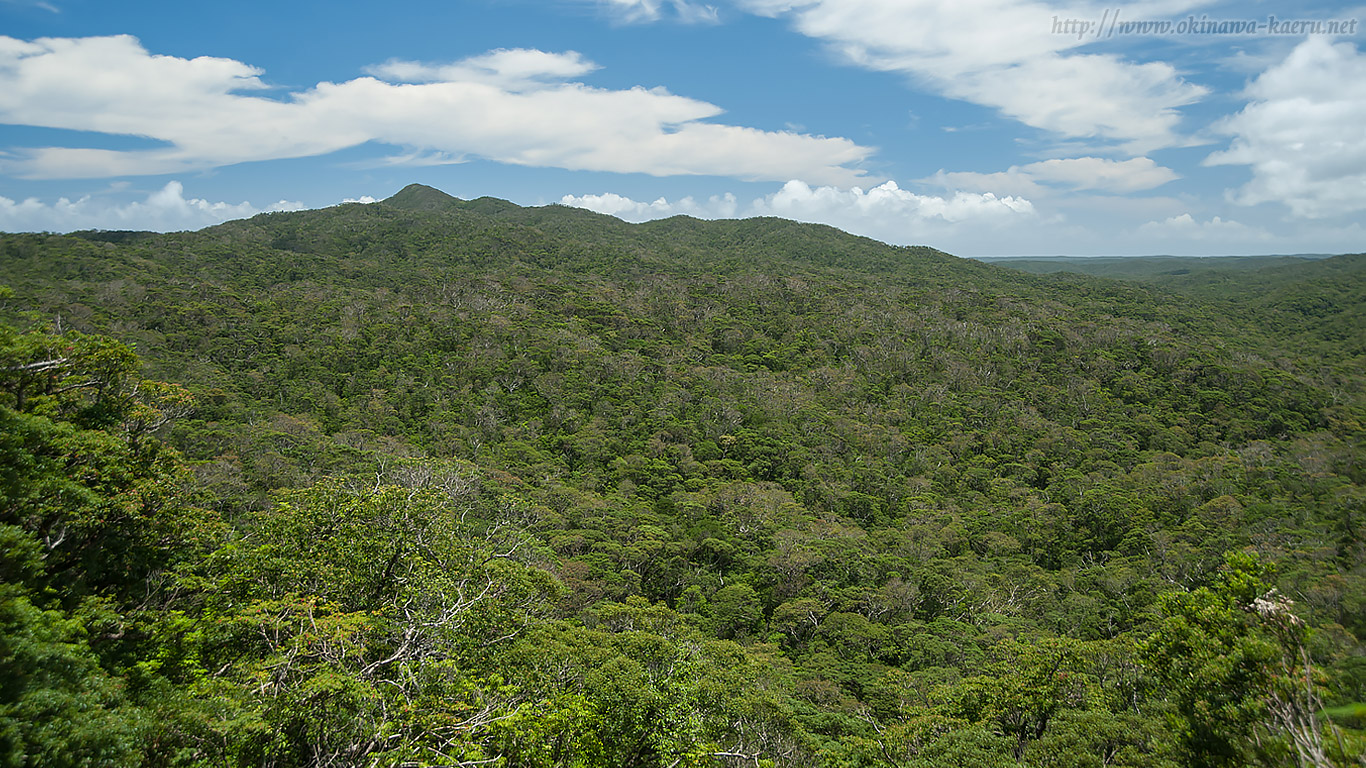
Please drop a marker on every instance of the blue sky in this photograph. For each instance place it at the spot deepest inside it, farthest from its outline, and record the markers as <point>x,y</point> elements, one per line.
<point>981,127</point>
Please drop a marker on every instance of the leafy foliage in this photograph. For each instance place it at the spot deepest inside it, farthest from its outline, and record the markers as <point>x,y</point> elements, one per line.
<point>464,483</point>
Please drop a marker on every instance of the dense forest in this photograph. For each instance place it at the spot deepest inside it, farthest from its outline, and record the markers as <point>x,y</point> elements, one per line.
<point>434,482</point>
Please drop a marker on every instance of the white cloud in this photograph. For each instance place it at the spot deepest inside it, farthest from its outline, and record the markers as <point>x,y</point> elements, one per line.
<point>514,69</point>
<point>1133,175</point>
<point>509,106</point>
<point>612,204</point>
<point>1012,181</point>
<point>797,200</point>
<point>1005,54</point>
<point>637,11</point>
<point>414,159</point>
<point>49,7</point>
<point>164,210</point>
<point>886,212</point>
<point>1302,132</point>
<point>986,223</point>
<point>1184,228</point>
<point>1078,173</point>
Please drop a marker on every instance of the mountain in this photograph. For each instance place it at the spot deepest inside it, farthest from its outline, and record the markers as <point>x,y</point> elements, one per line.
<point>435,481</point>
<point>419,197</point>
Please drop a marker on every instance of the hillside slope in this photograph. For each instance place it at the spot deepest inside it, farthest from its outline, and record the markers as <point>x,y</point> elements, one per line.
<point>899,490</point>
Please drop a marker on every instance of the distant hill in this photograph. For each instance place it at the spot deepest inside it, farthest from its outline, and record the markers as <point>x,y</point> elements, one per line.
<point>419,197</point>
<point>1136,267</point>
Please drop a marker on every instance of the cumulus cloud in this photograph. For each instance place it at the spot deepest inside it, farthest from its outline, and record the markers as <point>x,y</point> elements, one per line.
<point>509,106</point>
<point>1004,54</point>
<point>717,207</point>
<point>986,223</point>
<point>797,200</point>
<point>165,210</point>
<point>1185,228</point>
<point>1302,132</point>
<point>886,211</point>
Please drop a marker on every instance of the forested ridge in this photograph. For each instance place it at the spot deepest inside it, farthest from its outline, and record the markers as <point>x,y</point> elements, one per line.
<point>445,482</point>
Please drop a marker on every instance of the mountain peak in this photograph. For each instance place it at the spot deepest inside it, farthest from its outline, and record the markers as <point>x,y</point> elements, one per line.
<point>490,205</point>
<point>420,197</point>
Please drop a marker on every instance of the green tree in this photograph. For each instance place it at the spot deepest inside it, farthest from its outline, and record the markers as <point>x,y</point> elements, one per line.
<point>1214,664</point>
<point>736,610</point>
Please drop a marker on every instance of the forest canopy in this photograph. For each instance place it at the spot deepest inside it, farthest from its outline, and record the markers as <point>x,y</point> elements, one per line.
<point>446,482</point>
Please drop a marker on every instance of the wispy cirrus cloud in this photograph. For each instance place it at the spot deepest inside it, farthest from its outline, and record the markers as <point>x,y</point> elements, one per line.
<point>639,11</point>
<point>40,4</point>
<point>511,106</point>
<point>1074,173</point>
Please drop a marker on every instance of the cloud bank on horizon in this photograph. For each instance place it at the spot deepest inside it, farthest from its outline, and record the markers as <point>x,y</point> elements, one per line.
<point>1019,137</point>
<point>163,210</point>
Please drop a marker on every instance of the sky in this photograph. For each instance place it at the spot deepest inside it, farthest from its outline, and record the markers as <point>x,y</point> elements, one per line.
<point>978,127</point>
